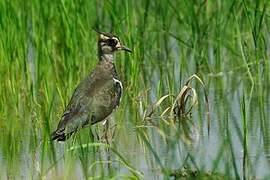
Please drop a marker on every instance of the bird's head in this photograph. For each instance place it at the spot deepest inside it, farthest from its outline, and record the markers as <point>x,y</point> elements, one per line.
<point>108,44</point>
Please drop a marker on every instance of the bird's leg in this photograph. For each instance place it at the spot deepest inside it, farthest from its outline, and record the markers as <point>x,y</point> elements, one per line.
<point>113,131</point>
<point>92,137</point>
<point>98,138</point>
<point>105,131</point>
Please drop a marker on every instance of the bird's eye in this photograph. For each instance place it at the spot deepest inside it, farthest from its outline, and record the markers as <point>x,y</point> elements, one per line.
<point>112,42</point>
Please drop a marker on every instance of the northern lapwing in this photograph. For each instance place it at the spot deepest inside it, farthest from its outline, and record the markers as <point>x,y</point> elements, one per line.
<point>97,95</point>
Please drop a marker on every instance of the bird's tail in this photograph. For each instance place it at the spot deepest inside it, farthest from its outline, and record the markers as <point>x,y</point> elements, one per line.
<point>60,135</point>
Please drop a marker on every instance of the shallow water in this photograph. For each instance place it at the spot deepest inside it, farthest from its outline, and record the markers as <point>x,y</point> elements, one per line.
<point>225,139</point>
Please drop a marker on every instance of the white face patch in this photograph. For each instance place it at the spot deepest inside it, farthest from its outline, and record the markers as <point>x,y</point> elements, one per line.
<point>103,37</point>
<point>118,45</point>
<point>109,44</point>
<point>106,49</point>
<point>102,43</point>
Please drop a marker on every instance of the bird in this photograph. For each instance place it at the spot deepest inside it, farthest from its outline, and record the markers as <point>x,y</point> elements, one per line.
<point>97,95</point>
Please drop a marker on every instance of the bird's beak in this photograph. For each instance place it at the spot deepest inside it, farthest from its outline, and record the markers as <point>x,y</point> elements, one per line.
<point>126,49</point>
<point>119,46</point>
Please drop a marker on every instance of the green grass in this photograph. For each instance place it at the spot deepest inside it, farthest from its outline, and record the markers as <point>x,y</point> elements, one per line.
<point>48,47</point>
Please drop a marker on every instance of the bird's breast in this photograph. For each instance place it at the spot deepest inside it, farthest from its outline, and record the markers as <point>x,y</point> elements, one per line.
<point>107,99</point>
